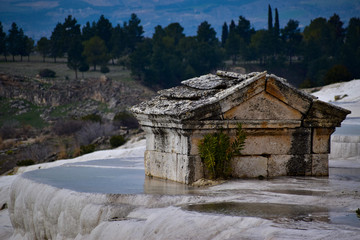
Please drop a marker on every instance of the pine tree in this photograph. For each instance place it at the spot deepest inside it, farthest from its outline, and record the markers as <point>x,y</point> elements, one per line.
<point>232,27</point>
<point>95,51</point>
<point>14,40</point>
<point>352,47</point>
<point>206,33</point>
<point>2,41</point>
<point>104,30</point>
<point>88,31</point>
<point>134,32</point>
<point>337,35</point>
<point>43,46</point>
<point>244,29</point>
<point>29,46</point>
<point>75,57</point>
<point>224,34</point>
<point>291,37</point>
<point>57,42</point>
<point>22,44</point>
<point>71,32</point>
<point>117,42</point>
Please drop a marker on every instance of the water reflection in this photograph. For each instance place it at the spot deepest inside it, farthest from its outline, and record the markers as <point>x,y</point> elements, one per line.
<point>273,211</point>
<point>279,212</point>
<point>347,174</point>
<point>111,176</point>
<point>165,187</point>
<point>298,192</point>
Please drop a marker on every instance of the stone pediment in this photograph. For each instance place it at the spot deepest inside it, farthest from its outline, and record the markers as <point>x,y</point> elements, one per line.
<point>262,106</point>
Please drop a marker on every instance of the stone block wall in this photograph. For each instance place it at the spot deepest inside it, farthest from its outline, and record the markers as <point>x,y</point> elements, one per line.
<point>172,153</point>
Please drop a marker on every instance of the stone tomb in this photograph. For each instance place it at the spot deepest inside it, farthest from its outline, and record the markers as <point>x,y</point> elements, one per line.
<point>288,131</point>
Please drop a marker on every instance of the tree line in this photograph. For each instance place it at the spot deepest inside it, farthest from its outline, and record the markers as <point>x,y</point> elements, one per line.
<point>326,49</point>
<point>15,43</point>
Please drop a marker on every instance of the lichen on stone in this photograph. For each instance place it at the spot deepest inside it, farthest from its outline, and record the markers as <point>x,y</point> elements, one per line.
<point>206,82</point>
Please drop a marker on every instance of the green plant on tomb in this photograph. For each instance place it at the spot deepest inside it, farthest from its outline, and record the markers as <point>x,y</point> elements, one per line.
<point>216,151</point>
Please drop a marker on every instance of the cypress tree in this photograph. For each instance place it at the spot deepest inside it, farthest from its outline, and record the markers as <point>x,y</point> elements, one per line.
<point>276,24</point>
<point>276,33</point>
<point>270,20</point>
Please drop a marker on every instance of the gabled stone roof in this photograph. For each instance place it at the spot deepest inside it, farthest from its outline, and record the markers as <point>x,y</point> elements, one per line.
<point>192,94</point>
<point>209,96</point>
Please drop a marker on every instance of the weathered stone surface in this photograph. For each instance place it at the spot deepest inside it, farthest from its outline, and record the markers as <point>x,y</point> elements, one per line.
<point>161,165</point>
<point>249,166</point>
<point>301,141</point>
<point>236,76</point>
<point>182,92</point>
<point>277,165</point>
<point>322,114</point>
<point>299,165</point>
<point>206,82</point>
<point>169,140</point>
<point>287,130</point>
<point>320,165</point>
<point>176,167</point>
<point>296,99</point>
<point>321,140</point>
<point>267,141</point>
<point>241,92</point>
<point>263,106</point>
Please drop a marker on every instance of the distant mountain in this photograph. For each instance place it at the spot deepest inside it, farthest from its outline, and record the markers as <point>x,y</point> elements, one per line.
<point>39,17</point>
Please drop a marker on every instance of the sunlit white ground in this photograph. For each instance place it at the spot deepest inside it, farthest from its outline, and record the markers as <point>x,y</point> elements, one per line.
<point>105,195</point>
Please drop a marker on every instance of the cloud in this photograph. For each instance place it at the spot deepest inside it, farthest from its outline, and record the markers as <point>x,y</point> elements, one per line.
<point>102,3</point>
<point>62,13</point>
<point>39,5</point>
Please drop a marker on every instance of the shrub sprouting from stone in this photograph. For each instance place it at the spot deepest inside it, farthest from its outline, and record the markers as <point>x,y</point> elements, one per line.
<point>116,141</point>
<point>47,73</point>
<point>216,151</point>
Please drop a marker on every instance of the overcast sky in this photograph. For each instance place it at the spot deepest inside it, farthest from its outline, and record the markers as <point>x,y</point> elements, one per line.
<point>38,18</point>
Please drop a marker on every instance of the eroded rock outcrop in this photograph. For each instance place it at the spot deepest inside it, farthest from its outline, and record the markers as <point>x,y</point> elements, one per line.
<point>54,93</point>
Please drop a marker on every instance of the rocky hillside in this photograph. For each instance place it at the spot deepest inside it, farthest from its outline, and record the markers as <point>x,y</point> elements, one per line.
<point>77,97</point>
<point>48,119</point>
